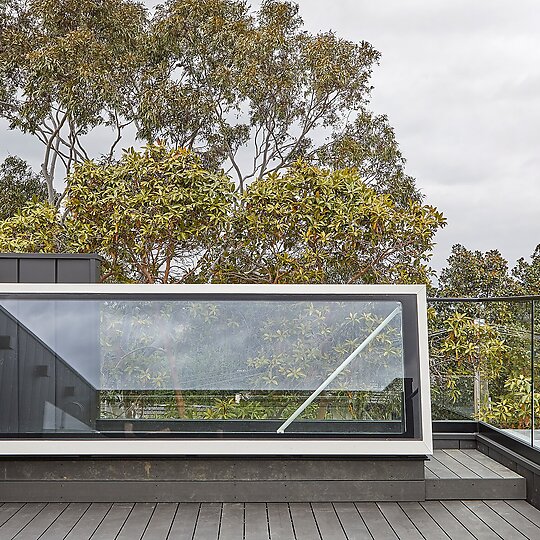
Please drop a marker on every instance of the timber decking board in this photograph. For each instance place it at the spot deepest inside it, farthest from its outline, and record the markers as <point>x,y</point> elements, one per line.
<point>184,521</point>
<point>279,520</point>
<point>454,520</point>
<point>399,521</point>
<point>499,468</point>
<point>137,521</point>
<point>375,521</point>
<point>429,529</point>
<point>495,522</point>
<point>208,521</point>
<point>89,522</point>
<point>7,510</point>
<point>524,526</point>
<point>161,522</point>
<point>42,521</point>
<point>470,520</point>
<point>454,474</point>
<point>256,522</point>
<point>457,468</point>
<point>19,520</point>
<point>352,522</point>
<point>65,522</point>
<point>439,469</point>
<point>467,463</point>
<point>232,521</point>
<point>305,526</point>
<point>446,520</point>
<point>526,510</point>
<point>476,467</point>
<point>327,521</point>
<point>113,522</point>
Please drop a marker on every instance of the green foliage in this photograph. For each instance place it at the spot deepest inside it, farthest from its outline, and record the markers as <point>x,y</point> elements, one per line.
<point>19,185</point>
<point>527,274</point>
<point>369,144</point>
<point>475,274</point>
<point>213,76</point>
<point>513,409</point>
<point>36,228</point>
<point>462,349</point>
<point>66,67</point>
<point>310,225</point>
<point>476,363</point>
<point>503,372</point>
<point>258,82</point>
<point>470,346</point>
<point>70,55</point>
<point>153,216</point>
<point>158,216</point>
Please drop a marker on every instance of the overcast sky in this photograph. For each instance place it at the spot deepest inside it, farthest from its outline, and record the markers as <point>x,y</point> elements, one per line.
<point>460,83</point>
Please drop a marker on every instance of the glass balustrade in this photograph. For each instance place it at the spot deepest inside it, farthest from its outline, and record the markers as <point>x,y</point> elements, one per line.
<point>484,363</point>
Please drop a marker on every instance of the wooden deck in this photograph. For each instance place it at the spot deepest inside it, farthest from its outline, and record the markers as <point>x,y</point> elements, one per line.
<point>468,496</point>
<point>459,520</point>
<point>469,474</point>
<point>452,463</point>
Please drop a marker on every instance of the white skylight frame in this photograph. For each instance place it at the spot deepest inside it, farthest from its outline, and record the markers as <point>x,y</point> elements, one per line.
<point>341,445</point>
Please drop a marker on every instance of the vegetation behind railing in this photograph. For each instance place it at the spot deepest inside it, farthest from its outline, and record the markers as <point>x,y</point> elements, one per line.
<point>482,360</point>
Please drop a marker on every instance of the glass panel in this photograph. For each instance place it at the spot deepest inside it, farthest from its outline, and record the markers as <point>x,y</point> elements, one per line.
<point>535,352</point>
<point>452,372</point>
<point>480,355</point>
<point>189,366</point>
<point>506,399</point>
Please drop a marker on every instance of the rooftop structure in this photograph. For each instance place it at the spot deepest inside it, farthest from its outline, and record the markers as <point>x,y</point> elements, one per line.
<point>269,412</point>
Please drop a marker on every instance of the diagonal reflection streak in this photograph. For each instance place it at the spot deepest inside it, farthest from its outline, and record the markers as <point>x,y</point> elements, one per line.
<point>338,370</point>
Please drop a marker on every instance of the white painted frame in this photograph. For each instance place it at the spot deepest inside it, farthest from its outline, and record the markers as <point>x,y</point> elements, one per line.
<point>242,446</point>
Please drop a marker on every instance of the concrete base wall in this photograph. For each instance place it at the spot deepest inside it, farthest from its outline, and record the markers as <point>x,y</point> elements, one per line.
<point>212,480</point>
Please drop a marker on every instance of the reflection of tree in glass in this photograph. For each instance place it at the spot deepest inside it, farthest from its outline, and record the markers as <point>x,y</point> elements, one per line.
<point>247,359</point>
<point>300,352</point>
<point>139,343</point>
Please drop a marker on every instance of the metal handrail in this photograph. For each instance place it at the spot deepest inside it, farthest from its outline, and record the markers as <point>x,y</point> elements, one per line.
<point>448,299</point>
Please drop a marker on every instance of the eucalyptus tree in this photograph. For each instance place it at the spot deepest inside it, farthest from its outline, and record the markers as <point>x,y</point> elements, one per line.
<point>250,91</point>
<point>67,67</point>
<point>369,144</point>
<point>253,91</point>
